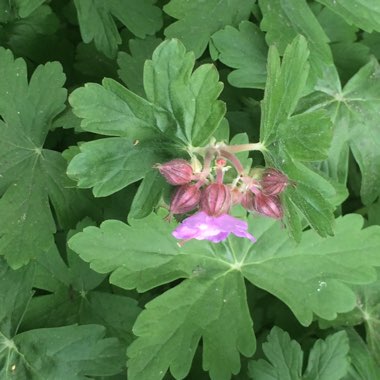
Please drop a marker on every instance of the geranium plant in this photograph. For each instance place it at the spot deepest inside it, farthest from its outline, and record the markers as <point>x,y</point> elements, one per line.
<point>189,189</point>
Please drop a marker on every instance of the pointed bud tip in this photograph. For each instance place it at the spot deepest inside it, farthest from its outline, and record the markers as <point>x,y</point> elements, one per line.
<point>176,172</point>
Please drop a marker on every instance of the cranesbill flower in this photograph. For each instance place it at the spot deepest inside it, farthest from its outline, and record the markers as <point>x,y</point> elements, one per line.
<point>201,226</point>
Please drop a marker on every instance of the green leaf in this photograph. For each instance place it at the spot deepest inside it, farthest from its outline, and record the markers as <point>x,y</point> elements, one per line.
<point>312,278</point>
<point>328,358</point>
<point>353,111</point>
<point>288,78</point>
<point>73,352</point>
<point>368,305</point>
<point>363,365</point>
<point>289,138</point>
<point>92,63</point>
<point>364,15</point>
<point>131,65</point>
<point>335,27</point>
<point>97,24</point>
<point>244,50</point>
<point>283,20</point>
<point>26,7</point>
<point>15,293</point>
<point>285,357</point>
<point>196,308</point>
<point>74,297</point>
<point>191,99</point>
<point>195,26</point>
<point>31,176</point>
<point>109,165</point>
<point>306,136</point>
<point>182,109</point>
<point>112,110</point>
<point>148,195</point>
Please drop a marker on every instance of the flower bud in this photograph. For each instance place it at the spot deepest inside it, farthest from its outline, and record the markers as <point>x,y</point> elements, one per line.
<point>273,181</point>
<point>236,195</point>
<point>248,201</point>
<point>268,205</point>
<point>185,198</point>
<point>176,172</point>
<point>216,199</point>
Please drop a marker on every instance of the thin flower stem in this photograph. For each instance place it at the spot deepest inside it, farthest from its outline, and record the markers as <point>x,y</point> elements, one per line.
<point>245,147</point>
<point>206,168</point>
<point>219,175</point>
<point>234,161</point>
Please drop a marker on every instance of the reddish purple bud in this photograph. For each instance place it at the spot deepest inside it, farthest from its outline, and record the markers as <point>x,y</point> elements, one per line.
<point>268,205</point>
<point>185,198</point>
<point>273,182</point>
<point>216,199</point>
<point>248,201</point>
<point>236,195</point>
<point>176,172</point>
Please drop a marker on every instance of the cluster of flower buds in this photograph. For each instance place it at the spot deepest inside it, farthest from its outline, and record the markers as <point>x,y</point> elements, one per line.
<point>205,189</point>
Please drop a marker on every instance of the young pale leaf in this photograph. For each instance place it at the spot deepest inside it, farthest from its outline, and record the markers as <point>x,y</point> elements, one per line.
<point>30,176</point>
<point>354,112</point>
<point>289,139</point>
<point>283,20</point>
<point>97,24</point>
<point>365,15</point>
<point>328,358</point>
<point>284,86</point>
<point>195,26</point>
<point>189,98</point>
<point>312,277</point>
<point>244,50</point>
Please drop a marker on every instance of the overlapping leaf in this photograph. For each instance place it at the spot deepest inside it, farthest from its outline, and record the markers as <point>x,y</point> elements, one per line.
<point>328,358</point>
<point>283,20</point>
<point>131,65</point>
<point>365,15</point>
<point>353,111</point>
<point>363,366</point>
<point>97,24</point>
<point>181,109</point>
<point>30,176</point>
<point>195,24</point>
<point>73,297</point>
<point>291,139</point>
<point>312,277</point>
<point>73,352</point>
<point>244,50</point>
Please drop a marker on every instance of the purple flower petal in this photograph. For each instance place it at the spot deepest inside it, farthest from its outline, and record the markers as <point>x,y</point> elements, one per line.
<point>201,226</point>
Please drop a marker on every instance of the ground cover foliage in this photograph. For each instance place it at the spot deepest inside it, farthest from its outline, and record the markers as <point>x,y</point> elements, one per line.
<point>93,94</point>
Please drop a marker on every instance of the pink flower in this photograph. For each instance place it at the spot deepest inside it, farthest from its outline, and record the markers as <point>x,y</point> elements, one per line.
<point>201,226</point>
